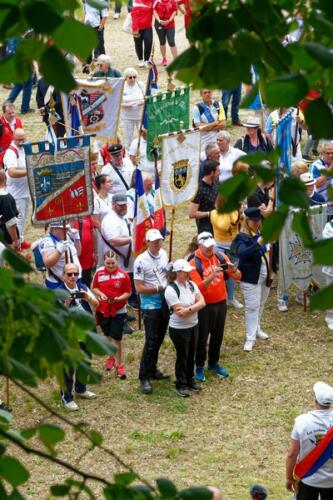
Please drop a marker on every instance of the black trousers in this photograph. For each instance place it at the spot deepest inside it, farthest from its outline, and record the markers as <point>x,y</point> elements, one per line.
<point>211,323</point>
<point>306,492</point>
<point>156,324</point>
<point>143,44</point>
<point>100,49</point>
<point>185,341</point>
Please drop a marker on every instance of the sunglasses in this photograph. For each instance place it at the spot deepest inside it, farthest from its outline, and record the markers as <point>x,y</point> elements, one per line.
<point>131,77</point>
<point>72,274</point>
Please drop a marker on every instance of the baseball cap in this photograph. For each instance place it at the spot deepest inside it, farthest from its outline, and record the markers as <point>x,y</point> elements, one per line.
<point>253,213</point>
<point>323,393</point>
<point>307,179</point>
<point>153,235</point>
<point>206,239</point>
<point>182,265</point>
<point>120,199</point>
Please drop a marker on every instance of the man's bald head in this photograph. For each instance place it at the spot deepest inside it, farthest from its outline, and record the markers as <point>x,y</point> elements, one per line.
<point>19,136</point>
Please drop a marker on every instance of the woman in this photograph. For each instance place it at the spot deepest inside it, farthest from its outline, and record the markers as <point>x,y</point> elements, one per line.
<point>184,300</point>
<point>142,18</point>
<point>112,287</point>
<point>254,266</point>
<point>226,228</point>
<point>254,141</point>
<point>132,104</point>
<point>165,12</point>
<point>102,206</point>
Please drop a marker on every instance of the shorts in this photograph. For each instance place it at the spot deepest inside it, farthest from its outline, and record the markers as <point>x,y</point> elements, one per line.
<point>112,326</point>
<point>164,34</point>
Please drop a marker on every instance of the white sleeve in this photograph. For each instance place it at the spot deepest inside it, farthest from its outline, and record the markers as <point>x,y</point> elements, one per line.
<point>46,245</point>
<point>138,271</point>
<point>133,148</point>
<point>109,229</point>
<point>171,296</point>
<point>10,159</point>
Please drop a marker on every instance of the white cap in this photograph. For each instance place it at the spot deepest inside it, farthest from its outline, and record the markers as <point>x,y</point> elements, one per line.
<point>153,235</point>
<point>252,122</point>
<point>206,239</point>
<point>182,265</point>
<point>307,179</point>
<point>103,58</point>
<point>323,393</point>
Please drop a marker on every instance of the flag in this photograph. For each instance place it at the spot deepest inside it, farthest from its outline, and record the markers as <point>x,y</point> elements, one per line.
<point>256,104</point>
<point>73,110</point>
<point>316,458</point>
<point>159,215</point>
<point>151,87</point>
<point>142,220</point>
<point>283,140</point>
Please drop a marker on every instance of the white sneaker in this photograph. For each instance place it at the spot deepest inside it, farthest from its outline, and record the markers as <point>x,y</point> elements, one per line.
<point>282,305</point>
<point>146,64</point>
<point>248,346</point>
<point>140,64</point>
<point>86,395</point>
<point>71,406</point>
<point>235,303</point>
<point>262,335</point>
<point>330,326</point>
<point>116,15</point>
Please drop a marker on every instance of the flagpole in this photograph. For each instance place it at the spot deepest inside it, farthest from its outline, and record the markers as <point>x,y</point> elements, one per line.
<point>173,213</point>
<point>145,103</point>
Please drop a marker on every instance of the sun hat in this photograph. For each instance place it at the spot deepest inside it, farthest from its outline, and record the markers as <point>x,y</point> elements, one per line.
<point>307,179</point>
<point>252,123</point>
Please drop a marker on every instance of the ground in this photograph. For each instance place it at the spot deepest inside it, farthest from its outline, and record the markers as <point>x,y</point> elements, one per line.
<point>232,434</point>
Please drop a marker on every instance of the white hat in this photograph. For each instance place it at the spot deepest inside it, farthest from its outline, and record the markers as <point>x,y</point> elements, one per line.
<point>153,235</point>
<point>182,265</point>
<point>103,58</point>
<point>307,179</point>
<point>323,393</point>
<point>252,122</point>
<point>206,239</point>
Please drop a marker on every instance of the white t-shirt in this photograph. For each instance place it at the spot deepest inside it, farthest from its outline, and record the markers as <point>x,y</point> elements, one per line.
<point>48,245</point>
<point>145,165</point>
<point>186,298</point>
<point>92,16</point>
<point>308,429</point>
<point>17,187</point>
<point>126,170</point>
<point>152,270</point>
<point>133,94</point>
<point>102,206</point>
<point>226,162</point>
<point>114,226</point>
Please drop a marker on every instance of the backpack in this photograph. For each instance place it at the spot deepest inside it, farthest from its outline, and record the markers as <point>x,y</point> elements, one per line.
<point>201,109</point>
<point>2,154</point>
<point>176,289</point>
<point>38,259</point>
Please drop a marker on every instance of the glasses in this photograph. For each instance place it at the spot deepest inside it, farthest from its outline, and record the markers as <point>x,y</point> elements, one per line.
<point>132,77</point>
<point>72,274</point>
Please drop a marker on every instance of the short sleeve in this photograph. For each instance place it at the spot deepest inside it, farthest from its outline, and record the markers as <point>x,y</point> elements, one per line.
<point>196,115</point>
<point>171,296</point>
<point>10,159</point>
<point>46,245</point>
<point>138,271</point>
<point>9,210</point>
<point>294,433</point>
<point>314,171</point>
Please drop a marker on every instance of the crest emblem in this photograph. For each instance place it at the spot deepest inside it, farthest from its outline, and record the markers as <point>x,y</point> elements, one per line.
<point>92,107</point>
<point>180,175</point>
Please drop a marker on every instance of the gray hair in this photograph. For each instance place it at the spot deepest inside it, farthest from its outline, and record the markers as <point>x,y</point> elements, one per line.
<point>209,148</point>
<point>130,72</point>
<point>224,135</point>
<point>326,144</point>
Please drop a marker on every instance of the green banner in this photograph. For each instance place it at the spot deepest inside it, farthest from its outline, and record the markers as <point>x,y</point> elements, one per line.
<point>165,111</point>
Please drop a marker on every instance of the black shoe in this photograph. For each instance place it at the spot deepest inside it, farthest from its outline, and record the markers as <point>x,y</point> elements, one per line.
<point>237,124</point>
<point>193,386</point>
<point>161,376</point>
<point>183,392</point>
<point>315,152</point>
<point>307,158</point>
<point>127,329</point>
<point>4,407</point>
<point>26,111</point>
<point>130,318</point>
<point>146,387</point>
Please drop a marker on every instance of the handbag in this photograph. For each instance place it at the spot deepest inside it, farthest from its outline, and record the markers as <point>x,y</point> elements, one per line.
<point>127,26</point>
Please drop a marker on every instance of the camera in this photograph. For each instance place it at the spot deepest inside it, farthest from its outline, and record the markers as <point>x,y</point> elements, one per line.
<point>77,295</point>
<point>223,266</point>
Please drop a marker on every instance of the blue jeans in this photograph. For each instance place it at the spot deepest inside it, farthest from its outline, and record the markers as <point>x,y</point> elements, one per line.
<point>26,87</point>
<point>235,94</point>
<point>229,282</point>
<point>69,376</point>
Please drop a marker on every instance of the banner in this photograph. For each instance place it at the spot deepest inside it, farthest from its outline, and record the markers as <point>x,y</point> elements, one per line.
<point>98,104</point>
<point>142,220</point>
<point>167,112</point>
<point>151,88</point>
<point>180,167</point>
<point>295,261</point>
<point>283,140</point>
<point>59,179</point>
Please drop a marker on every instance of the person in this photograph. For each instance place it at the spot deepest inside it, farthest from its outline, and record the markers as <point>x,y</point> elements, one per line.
<point>8,123</point>
<point>58,246</point>
<point>119,170</point>
<point>96,18</point>
<point>212,152</point>
<point>228,155</point>
<point>50,107</point>
<point>23,86</point>
<point>309,428</point>
<point>204,201</point>
<point>253,141</point>
<point>132,105</point>
<point>138,154</point>
<point>233,95</point>
<point>8,215</point>
<point>315,198</point>
<point>258,492</point>
<point>165,12</point>
<point>142,18</point>
<point>299,167</point>
<point>104,68</point>
<point>226,227</point>
<point>325,162</point>
<point>112,287</point>
<point>253,264</point>
<point>150,278</point>
<point>184,300</point>
<point>149,194</point>
<point>89,247</point>
<point>102,206</point>
<point>328,272</point>
<point>262,198</point>
<point>17,180</point>
<point>83,303</point>
<point>209,116</point>
<point>208,274</point>
<point>117,9</point>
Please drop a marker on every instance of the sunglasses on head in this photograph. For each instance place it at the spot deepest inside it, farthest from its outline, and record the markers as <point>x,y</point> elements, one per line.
<point>72,274</point>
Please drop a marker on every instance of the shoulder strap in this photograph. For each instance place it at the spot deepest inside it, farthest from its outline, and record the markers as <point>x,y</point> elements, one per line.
<point>200,108</point>
<point>191,286</point>
<point>175,287</point>
<point>120,175</point>
<point>216,105</point>
<point>13,149</point>
<point>198,265</point>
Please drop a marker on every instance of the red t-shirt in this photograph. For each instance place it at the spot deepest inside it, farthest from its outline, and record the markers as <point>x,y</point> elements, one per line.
<point>86,258</point>
<point>165,9</point>
<point>142,14</point>
<point>112,285</point>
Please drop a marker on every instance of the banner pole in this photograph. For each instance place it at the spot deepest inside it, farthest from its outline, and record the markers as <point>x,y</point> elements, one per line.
<point>65,230</point>
<point>7,393</point>
<point>173,213</point>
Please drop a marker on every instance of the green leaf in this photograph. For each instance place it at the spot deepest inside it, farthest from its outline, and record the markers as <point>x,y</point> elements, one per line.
<point>17,262</point>
<point>5,416</point>
<point>22,372</point>
<point>323,299</point>
<point>60,490</point>
<point>141,492</point>
<point>293,192</point>
<point>83,319</point>
<point>15,495</point>
<point>100,345</point>
<point>13,471</point>
<point>125,478</point>
<point>166,487</point>
<point>29,433</point>
<point>190,57</point>
<point>99,4</point>
<point>320,53</point>
<point>319,119</point>
<point>56,70</point>
<point>235,190</point>
<point>256,159</point>
<point>50,434</point>
<point>322,252</point>
<point>75,37</point>
<point>249,45</point>
<point>96,438</point>
<point>116,492</point>
<point>195,493</point>
<point>273,224</point>
<point>286,90</point>
<point>42,17</point>
<point>86,374</point>
<point>301,226</point>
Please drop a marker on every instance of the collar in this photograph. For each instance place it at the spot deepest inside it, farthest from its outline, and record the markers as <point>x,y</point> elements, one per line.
<point>155,257</point>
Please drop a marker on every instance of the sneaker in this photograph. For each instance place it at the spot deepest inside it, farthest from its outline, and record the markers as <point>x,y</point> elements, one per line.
<point>248,346</point>
<point>141,64</point>
<point>161,375</point>
<point>127,329</point>
<point>70,406</point>
<point>235,303</point>
<point>146,64</point>
<point>111,361</point>
<point>86,395</point>
<point>282,305</point>
<point>146,387</point>
<point>25,245</point>
<point>219,371</point>
<point>193,386</point>
<point>262,335</point>
<point>200,374</point>
<point>183,392</point>
<point>116,15</point>
<point>121,372</point>
<point>164,62</point>
<point>330,326</point>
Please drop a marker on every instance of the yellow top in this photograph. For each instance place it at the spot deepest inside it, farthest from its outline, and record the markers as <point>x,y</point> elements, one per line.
<point>225,226</point>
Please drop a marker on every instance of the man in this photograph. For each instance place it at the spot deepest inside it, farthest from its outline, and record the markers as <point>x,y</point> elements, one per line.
<point>209,116</point>
<point>204,201</point>
<point>315,198</point>
<point>17,180</point>
<point>150,278</point>
<point>96,18</point>
<point>8,214</point>
<point>233,95</point>
<point>228,155</point>
<point>8,123</point>
<point>212,152</point>
<point>325,162</point>
<point>308,430</point>
<point>262,198</point>
<point>104,68</point>
<point>209,276</point>
<point>120,170</point>
<point>50,107</point>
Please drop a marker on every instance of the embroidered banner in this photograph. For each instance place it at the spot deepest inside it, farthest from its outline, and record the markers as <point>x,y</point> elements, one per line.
<point>59,179</point>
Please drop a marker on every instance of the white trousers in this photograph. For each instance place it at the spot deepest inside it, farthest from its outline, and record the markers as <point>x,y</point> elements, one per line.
<point>255,297</point>
<point>22,205</point>
<point>129,127</point>
<point>329,312</point>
